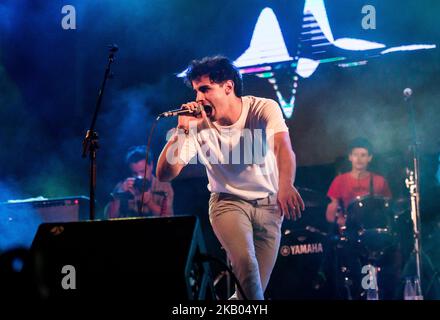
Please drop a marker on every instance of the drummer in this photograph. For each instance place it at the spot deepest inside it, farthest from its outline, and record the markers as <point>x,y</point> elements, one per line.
<point>358,182</point>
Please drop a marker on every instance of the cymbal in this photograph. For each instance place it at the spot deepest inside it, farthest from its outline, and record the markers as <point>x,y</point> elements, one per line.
<point>313,198</point>
<point>401,205</point>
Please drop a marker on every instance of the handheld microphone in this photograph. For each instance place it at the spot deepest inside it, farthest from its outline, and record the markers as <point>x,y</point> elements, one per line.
<point>185,112</point>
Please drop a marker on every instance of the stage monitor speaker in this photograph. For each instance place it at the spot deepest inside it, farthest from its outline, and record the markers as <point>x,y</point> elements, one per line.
<point>135,258</point>
<point>19,219</point>
<point>64,209</point>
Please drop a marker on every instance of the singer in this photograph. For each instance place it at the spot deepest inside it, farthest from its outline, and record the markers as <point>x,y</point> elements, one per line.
<point>248,200</point>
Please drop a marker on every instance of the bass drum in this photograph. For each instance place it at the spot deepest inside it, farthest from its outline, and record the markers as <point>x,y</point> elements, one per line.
<point>370,223</point>
<point>301,269</point>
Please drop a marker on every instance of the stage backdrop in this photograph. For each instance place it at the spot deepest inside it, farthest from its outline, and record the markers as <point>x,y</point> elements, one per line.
<point>340,73</point>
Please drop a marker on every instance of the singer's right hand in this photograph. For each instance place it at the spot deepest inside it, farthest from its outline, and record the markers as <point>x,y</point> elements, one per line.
<point>184,121</point>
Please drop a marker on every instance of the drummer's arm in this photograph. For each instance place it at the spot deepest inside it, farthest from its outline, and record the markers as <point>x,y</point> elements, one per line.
<point>334,211</point>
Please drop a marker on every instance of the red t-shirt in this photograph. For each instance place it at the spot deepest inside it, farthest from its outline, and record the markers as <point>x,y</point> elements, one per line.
<point>347,188</point>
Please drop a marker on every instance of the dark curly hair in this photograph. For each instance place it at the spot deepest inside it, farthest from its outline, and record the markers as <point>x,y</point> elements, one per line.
<point>218,68</point>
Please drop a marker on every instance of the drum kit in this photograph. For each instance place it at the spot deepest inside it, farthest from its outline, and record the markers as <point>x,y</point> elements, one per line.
<point>318,260</point>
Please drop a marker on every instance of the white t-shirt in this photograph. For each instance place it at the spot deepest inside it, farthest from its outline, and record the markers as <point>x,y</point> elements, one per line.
<point>239,158</point>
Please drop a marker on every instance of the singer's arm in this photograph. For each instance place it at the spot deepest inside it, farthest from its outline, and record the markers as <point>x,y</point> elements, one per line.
<point>289,200</point>
<point>169,163</point>
<point>179,149</point>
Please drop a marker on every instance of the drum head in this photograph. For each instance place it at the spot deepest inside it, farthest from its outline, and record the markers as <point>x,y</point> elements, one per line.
<point>369,221</point>
<point>369,213</point>
<point>376,240</point>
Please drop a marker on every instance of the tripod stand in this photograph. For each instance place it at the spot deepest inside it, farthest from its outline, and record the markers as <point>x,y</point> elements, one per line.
<point>227,277</point>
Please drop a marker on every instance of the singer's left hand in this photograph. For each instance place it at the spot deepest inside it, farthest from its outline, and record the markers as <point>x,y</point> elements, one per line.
<point>290,202</point>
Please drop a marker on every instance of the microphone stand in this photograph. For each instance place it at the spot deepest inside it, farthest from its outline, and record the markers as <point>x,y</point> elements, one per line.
<point>413,184</point>
<point>90,141</point>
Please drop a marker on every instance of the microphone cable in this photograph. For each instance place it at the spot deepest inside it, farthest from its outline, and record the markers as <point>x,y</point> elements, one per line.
<point>144,182</point>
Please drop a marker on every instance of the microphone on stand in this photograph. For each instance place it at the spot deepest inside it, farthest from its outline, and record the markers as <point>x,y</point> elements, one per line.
<point>407,93</point>
<point>413,184</point>
<point>113,47</point>
<point>186,112</point>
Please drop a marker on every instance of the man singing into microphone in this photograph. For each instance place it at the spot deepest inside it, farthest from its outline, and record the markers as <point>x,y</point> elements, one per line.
<point>250,194</point>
